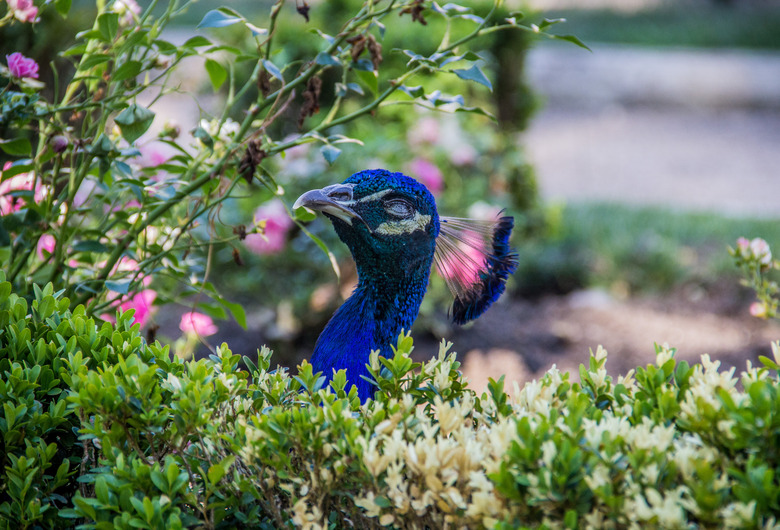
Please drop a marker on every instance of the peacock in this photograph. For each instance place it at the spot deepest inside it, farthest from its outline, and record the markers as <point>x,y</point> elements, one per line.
<point>390,223</point>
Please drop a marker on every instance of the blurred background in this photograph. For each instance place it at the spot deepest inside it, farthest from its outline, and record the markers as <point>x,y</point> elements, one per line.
<point>630,169</point>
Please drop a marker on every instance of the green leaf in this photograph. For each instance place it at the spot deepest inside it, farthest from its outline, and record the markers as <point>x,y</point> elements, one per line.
<point>134,121</point>
<point>212,310</point>
<point>272,69</point>
<point>355,88</point>
<point>200,134</point>
<point>16,147</point>
<point>547,22</point>
<point>5,238</point>
<point>412,91</point>
<point>217,73</point>
<point>573,39</point>
<point>108,25</point>
<point>94,60</point>
<point>118,287</point>
<point>383,502</point>
<point>326,59</point>
<point>216,472</point>
<point>237,310</point>
<point>333,263</point>
<point>158,479</point>
<point>128,70</point>
<point>101,490</point>
<point>474,74</point>
<point>165,47</point>
<point>63,7</point>
<point>476,110</point>
<point>330,153</point>
<point>304,215</point>
<point>197,42</point>
<point>216,18</point>
<point>255,30</point>
<point>90,246</point>
<point>370,79</point>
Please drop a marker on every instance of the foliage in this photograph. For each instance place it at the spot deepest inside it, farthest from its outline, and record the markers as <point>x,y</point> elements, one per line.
<point>164,443</point>
<point>110,205</point>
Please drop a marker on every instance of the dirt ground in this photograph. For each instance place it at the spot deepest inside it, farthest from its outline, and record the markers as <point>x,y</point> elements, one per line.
<point>528,336</point>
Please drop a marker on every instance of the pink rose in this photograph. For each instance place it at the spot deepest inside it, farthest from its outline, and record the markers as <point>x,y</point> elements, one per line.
<point>463,155</point>
<point>128,11</point>
<point>758,309</point>
<point>197,323</point>
<point>277,224</point>
<point>22,67</point>
<point>46,245</point>
<point>23,181</point>
<point>760,249</point>
<point>426,130</point>
<point>83,193</point>
<point>23,10</point>
<point>743,244</point>
<point>428,174</point>
<point>141,302</point>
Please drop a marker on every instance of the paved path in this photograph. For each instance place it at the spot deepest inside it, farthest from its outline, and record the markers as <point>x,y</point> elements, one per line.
<point>687,129</point>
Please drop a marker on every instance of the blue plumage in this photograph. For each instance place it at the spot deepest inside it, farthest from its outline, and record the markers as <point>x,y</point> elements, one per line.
<point>391,225</point>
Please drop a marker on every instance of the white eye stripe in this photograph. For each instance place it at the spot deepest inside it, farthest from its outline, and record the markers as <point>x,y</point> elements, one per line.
<point>404,226</point>
<point>374,196</point>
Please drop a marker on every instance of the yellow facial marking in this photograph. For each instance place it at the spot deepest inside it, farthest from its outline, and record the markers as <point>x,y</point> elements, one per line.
<point>404,226</point>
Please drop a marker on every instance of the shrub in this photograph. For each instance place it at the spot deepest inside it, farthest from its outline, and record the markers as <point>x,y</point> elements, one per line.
<point>102,430</point>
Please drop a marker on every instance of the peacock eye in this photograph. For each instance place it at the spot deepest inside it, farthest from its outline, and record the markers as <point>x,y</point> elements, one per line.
<point>399,208</point>
<point>340,196</point>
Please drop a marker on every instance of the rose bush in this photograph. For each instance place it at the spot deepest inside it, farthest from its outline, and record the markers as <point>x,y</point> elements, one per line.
<point>89,167</point>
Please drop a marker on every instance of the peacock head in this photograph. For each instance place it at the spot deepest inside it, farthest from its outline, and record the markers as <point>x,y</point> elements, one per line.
<point>384,218</point>
<point>390,223</point>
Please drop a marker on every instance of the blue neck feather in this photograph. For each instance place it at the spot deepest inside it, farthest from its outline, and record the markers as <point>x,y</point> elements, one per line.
<point>385,302</point>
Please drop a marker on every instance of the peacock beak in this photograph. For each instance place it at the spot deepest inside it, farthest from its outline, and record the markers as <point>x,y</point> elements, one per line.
<point>335,200</point>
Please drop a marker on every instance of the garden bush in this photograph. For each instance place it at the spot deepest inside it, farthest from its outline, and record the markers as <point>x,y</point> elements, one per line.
<point>102,430</point>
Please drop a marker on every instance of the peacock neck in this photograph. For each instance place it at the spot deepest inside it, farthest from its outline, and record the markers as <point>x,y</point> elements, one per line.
<point>385,302</point>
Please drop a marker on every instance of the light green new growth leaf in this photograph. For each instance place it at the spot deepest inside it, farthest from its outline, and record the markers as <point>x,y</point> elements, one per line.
<point>217,73</point>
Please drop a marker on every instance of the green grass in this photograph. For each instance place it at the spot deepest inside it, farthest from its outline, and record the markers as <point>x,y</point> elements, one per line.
<point>702,26</point>
<point>643,250</point>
